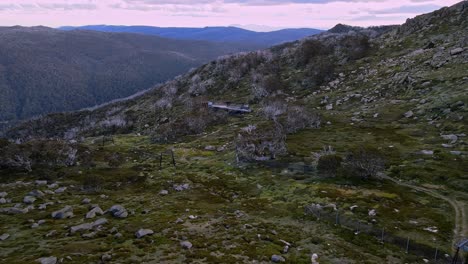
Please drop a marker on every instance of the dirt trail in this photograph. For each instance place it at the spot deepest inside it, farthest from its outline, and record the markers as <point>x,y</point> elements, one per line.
<point>461,220</point>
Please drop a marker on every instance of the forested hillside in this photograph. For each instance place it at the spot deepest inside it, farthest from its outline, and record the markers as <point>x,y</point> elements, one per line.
<point>46,70</point>
<point>215,34</point>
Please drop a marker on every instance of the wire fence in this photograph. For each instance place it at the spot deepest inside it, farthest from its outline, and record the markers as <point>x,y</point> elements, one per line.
<point>431,253</point>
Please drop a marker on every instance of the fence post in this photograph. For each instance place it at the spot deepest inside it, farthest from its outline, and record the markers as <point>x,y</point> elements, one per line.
<point>407,246</point>
<point>435,255</point>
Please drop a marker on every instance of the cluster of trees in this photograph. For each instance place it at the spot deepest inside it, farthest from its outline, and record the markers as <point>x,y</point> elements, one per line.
<point>362,161</point>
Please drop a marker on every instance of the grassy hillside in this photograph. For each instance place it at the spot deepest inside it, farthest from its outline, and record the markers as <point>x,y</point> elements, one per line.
<point>352,137</point>
<point>44,70</point>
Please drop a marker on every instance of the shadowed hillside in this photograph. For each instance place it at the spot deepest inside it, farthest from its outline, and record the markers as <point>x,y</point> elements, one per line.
<point>46,70</point>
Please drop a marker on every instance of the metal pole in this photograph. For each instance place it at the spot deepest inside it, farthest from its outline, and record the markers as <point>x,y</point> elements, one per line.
<point>455,258</point>
<point>407,246</point>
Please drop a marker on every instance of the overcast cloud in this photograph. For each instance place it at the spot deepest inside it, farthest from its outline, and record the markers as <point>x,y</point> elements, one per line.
<point>199,13</point>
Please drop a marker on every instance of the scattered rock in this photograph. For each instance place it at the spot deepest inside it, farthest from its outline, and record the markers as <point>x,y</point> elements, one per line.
<point>118,235</point>
<point>29,199</point>
<point>44,205</point>
<point>3,194</point>
<point>163,192</point>
<point>52,186</point>
<point>3,201</point>
<point>186,245</point>
<point>456,152</point>
<point>285,249</point>
<point>181,187</point>
<point>118,211</point>
<point>277,258</point>
<point>427,152</point>
<point>210,148</point>
<point>66,212</point>
<point>61,190</point>
<point>51,233</point>
<point>372,212</point>
<point>431,229</point>
<point>36,193</point>
<point>456,51</point>
<point>47,260</point>
<point>4,236</point>
<point>408,114</point>
<point>143,232</point>
<point>329,107</point>
<point>85,201</point>
<point>82,227</point>
<point>106,257</point>
<point>93,212</point>
<point>452,137</point>
<point>40,183</point>
<point>89,235</point>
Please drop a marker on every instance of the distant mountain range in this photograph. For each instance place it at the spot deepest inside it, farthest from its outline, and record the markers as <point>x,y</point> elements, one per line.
<point>216,34</point>
<point>45,70</point>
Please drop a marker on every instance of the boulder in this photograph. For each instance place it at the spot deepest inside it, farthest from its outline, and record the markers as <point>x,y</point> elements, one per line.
<point>99,222</point>
<point>408,114</point>
<point>181,187</point>
<point>29,199</point>
<point>3,201</point>
<point>66,212</point>
<point>4,236</point>
<point>95,211</point>
<point>118,211</point>
<point>40,183</point>
<point>80,228</point>
<point>47,260</point>
<point>186,245</point>
<point>36,193</point>
<point>143,232</point>
<point>277,259</point>
<point>60,190</point>
<point>456,51</point>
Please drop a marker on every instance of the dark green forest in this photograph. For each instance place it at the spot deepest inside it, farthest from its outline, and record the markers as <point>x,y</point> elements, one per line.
<point>44,70</point>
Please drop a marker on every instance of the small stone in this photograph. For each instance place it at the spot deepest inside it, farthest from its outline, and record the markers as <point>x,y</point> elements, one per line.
<point>93,212</point>
<point>456,152</point>
<point>36,193</point>
<point>3,194</point>
<point>66,212</point>
<point>163,192</point>
<point>329,107</point>
<point>372,212</point>
<point>118,211</point>
<point>3,201</point>
<point>89,235</point>
<point>118,235</point>
<point>47,260</point>
<point>285,249</point>
<point>61,190</point>
<point>106,257</point>
<point>210,148</point>
<point>186,245</point>
<point>143,232</point>
<point>456,51</point>
<point>179,220</point>
<point>86,201</point>
<point>52,186</point>
<point>277,259</point>
<point>29,199</point>
<point>181,187</point>
<point>40,183</point>
<point>4,236</point>
<point>408,114</point>
<point>427,152</point>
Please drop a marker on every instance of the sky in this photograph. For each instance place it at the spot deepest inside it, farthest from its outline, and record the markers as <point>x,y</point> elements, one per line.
<point>259,15</point>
